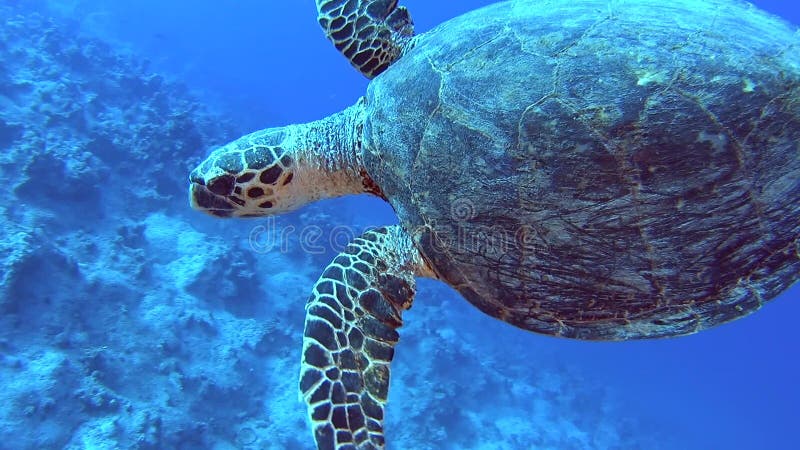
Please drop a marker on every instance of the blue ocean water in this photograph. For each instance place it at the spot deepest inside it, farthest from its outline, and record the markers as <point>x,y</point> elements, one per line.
<point>129,321</point>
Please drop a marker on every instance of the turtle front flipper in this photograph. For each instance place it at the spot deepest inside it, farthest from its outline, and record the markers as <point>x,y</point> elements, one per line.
<point>349,338</point>
<point>370,33</point>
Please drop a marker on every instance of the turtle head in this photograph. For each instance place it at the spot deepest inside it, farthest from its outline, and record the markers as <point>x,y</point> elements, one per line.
<point>277,170</point>
<point>252,176</point>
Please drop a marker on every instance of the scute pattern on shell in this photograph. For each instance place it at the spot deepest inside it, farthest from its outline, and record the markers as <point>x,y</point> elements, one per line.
<point>589,171</point>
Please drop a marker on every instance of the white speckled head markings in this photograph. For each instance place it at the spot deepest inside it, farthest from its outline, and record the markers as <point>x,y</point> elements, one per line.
<point>349,338</point>
<point>371,34</point>
<point>276,170</point>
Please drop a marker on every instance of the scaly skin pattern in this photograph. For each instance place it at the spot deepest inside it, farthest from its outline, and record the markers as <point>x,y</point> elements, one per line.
<point>350,334</point>
<point>277,170</point>
<point>245,174</point>
<point>370,34</point>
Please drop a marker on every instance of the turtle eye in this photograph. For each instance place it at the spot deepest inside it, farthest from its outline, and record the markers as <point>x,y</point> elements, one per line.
<point>222,185</point>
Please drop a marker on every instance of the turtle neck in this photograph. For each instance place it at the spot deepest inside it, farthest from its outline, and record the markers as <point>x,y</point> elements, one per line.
<point>328,153</point>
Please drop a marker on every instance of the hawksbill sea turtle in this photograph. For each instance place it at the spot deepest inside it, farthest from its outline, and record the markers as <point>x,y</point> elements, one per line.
<point>593,169</point>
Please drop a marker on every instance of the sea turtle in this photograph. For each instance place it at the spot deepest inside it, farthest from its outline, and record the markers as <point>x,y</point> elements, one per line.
<point>594,169</point>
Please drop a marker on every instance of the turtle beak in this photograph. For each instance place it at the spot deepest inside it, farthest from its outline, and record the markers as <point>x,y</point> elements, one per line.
<point>196,178</point>
<point>204,200</point>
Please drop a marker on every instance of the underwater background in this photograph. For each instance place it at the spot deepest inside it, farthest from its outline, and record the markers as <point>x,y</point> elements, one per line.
<point>127,320</point>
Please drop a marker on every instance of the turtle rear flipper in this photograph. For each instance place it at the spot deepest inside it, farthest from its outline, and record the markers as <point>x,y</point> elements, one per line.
<point>350,334</point>
<point>372,34</point>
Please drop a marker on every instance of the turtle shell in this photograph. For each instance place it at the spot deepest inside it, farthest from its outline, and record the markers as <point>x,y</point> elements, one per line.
<point>598,170</point>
